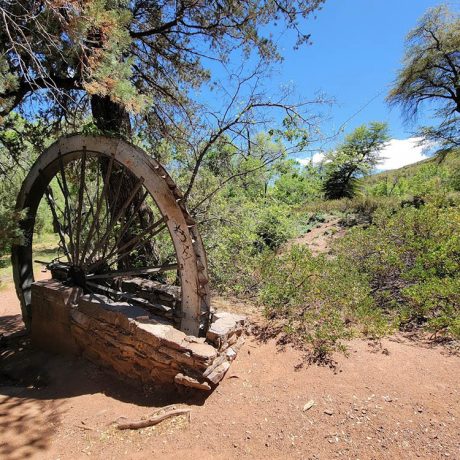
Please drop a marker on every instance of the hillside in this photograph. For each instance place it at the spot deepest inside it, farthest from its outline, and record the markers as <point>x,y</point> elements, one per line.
<point>440,164</point>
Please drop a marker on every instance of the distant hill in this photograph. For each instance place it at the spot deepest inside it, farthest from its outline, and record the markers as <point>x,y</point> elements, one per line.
<point>417,177</point>
<point>451,159</point>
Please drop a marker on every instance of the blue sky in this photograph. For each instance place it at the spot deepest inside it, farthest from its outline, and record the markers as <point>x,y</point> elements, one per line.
<point>357,49</point>
<point>358,46</point>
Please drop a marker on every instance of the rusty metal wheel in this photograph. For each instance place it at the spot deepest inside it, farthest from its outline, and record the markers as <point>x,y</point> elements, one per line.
<point>117,215</point>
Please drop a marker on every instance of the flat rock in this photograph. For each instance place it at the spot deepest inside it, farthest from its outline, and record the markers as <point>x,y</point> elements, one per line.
<point>187,381</point>
<point>202,351</point>
<point>223,325</point>
<point>218,373</point>
<point>163,332</point>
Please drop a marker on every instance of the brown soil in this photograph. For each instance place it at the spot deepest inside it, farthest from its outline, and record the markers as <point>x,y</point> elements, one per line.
<point>319,239</point>
<point>400,400</point>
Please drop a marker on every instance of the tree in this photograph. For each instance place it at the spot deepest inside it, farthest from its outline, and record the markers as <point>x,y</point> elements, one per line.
<point>356,157</point>
<point>122,58</point>
<point>295,184</point>
<point>134,65</point>
<point>431,74</point>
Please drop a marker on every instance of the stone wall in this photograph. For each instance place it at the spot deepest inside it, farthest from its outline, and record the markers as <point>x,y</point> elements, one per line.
<point>132,341</point>
<point>50,326</point>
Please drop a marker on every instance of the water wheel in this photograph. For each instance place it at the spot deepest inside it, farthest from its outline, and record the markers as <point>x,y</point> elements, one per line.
<point>117,215</point>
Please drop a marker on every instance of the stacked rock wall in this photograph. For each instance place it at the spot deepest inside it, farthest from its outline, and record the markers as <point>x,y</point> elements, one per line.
<point>137,344</point>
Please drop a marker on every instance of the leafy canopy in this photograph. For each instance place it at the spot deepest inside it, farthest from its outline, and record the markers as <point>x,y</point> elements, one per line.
<point>146,55</point>
<point>430,75</point>
<point>356,157</point>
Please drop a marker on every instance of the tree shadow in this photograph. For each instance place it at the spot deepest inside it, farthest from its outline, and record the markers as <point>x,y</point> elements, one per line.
<point>34,385</point>
<point>267,332</point>
<point>10,325</point>
<point>50,376</point>
<point>420,338</point>
<point>26,425</point>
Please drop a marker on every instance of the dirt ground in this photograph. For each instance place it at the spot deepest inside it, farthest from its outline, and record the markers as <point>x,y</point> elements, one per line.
<point>320,238</point>
<point>400,401</point>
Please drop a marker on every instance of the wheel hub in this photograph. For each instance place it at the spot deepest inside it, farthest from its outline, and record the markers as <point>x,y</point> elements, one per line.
<point>77,276</point>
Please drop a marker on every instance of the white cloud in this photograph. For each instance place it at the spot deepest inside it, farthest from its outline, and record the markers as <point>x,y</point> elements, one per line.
<point>316,158</point>
<point>401,152</point>
<point>396,154</point>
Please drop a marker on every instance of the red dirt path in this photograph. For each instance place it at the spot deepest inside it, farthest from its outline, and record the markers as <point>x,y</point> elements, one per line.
<point>401,403</point>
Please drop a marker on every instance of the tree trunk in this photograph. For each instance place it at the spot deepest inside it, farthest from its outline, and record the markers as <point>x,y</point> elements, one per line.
<point>113,119</point>
<point>110,117</point>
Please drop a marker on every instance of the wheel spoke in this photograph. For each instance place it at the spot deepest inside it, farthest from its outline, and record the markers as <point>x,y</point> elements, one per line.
<point>111,210</point>
<point>95,224</point>
<point>98,181</point>
<point>101,244</point>
<point>126,225</point>
<point>50,200</point>
<point>135,242</point>
<point>80,206</point>
<point>65,192</point>
<point>111,207</point>
<point>89,215</point>
<point>134,272</point>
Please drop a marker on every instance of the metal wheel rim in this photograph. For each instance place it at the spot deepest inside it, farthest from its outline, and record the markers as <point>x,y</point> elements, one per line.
<point>190,253</point>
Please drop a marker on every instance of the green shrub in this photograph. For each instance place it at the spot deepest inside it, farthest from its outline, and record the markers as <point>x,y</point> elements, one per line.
<point>320,301</point>
<point>9,218</point>
<point>412,261</point>
<point>363,205</point>
<point>435,304</point>
<point>10,231</point>
<point>421,179</point>
<point>230,248</point>
<point>402,271</point>
<point>273,228</point>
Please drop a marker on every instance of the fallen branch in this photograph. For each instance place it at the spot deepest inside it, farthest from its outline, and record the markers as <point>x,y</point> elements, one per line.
<point>83,427</point>
<point>154,420</point>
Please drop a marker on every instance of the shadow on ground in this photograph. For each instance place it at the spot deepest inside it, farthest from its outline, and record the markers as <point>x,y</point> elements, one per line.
<point>34,383</point>
<point>10,324</point>
<point>266,332</point>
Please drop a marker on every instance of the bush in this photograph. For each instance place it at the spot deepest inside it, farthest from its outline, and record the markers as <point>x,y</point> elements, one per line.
<point>274,227</point>
<point>402,271</point>
<point>359,209</point>
<point>230,245</point>
<point>319,301</point>
<point>234,241</point>
<point>419,179</point>
<point>9,217</point>
<point>412,261</point>
<point>435,304</point>
<point>10,233</point>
